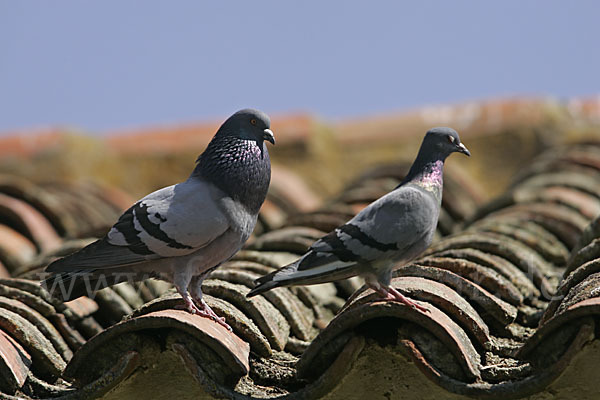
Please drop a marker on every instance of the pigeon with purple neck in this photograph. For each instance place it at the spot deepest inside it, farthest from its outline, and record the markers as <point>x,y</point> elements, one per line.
<point>182,232</point>
<point>384,236</point>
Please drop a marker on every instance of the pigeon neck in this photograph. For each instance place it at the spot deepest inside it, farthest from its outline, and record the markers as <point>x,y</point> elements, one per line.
<point>427,174</point>
<point>240,168</point>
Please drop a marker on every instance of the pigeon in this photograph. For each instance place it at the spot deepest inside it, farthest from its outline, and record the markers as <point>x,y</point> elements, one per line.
<point>182,232</point>
<point>384,236</point>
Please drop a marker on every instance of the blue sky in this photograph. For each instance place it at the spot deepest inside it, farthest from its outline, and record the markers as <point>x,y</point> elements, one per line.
<point>121,64</point>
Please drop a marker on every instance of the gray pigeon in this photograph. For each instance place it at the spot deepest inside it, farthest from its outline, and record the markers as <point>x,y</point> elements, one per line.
<point>182,232</point>
<point>384,236</point>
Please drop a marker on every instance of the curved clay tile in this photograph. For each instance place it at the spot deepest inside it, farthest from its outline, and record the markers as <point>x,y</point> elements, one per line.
<point>200,343</point>
<point>517,251</point>
<point>586,248</point>
<point>15,249</point>
<point>15,363</point>
<point>512,305</point>
<point>40,199</point>
<point>241,324</point>
<point>30,222</point>
<point>315,359</point>
<point>4,273</point>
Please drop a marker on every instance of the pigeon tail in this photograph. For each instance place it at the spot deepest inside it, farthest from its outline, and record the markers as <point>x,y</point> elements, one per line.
<point>265,283</point>
<point>70,285</point>
<point>66,286</point>
<point>283,276</point>
<point>292,275</point>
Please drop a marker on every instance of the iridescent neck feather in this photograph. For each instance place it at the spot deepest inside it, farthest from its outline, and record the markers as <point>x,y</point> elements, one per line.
<point>239,167</point>
<point>428,176</point>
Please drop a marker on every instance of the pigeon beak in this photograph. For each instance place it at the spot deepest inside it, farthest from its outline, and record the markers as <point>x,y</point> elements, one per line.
<point>268,135</point>
<point>463,149</point>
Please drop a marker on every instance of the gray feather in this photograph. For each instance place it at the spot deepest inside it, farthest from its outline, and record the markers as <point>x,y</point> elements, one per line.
<point>385,235</point>
<point>99,254</point>
<point>181,231</point>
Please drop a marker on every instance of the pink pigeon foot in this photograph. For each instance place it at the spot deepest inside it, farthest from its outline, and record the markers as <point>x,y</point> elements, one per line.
<point>390,293</point>
<point>397,296</point>
<point>188,305</point>
<point>199,307</point>
<point>207,312</point>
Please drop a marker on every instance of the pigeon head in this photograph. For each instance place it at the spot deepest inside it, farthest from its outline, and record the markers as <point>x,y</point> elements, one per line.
<point>237,161</point>
<point>441,142</point>
<point>248,124</point>
<point>438,144</point>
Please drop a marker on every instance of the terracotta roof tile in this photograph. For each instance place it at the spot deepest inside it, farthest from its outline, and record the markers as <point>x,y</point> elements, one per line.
<point>510,285</point>
<point>14,363</point>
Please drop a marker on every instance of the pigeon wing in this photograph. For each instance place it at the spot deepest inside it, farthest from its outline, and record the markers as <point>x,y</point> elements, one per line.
<point>392,224</point>
<point>391,227</point>
<point>173,221</point>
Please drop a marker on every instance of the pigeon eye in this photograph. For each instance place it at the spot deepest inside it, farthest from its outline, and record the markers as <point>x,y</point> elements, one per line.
<point>451,139</point>
<point>253,121</point>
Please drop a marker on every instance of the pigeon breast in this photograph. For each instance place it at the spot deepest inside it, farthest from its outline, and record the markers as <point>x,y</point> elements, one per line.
<point>239,167</point>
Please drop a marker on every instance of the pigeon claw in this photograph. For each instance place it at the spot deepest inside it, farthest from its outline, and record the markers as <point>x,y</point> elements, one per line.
<point>215,318</point>
<point>394,295</point>
<point>207,312</point>
<point>221,321</point>
<point>200,308</point>
<point>417,306</point>
<point>188,306</point>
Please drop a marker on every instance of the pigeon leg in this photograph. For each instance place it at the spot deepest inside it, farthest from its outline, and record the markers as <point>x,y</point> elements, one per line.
<point>405,300</point>
<point>181,281</point>
<point>207,312</point>
<point>390,293</point>
<point>383,291</point>
<point>201,305</point>
<point>188,303</point>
